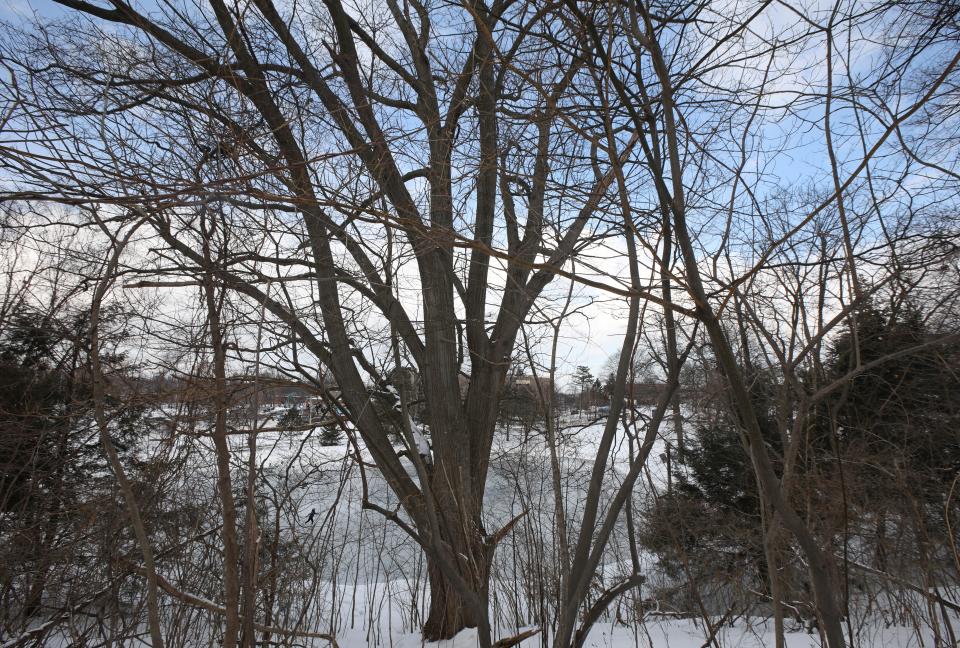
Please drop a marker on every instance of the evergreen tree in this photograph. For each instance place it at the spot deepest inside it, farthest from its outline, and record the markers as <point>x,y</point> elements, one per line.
<point>895,426</point>
<point>714,509</point>
<point>900,415</point>
<point>331,435</point>
<point>292,418</point>
<point>596,392</point>
<point>52,470</point>
<point>583,379</point>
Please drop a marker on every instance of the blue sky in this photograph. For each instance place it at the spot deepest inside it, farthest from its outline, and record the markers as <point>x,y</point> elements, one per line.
<point>789,153</point>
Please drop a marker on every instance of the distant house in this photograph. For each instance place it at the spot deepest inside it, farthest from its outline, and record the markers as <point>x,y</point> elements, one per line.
<point>535,387</point>
<point>650,393</point>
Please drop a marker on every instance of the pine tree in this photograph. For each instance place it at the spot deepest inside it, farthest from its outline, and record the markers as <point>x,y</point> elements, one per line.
<point>714,508</point>
<point>52,469</point>
<point>583,380</point>
<point>900,416</point>
<point>331,435</point>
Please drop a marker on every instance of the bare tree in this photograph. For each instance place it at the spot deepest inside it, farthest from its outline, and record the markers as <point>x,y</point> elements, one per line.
<point>434,135</point>
<point>388,186</point>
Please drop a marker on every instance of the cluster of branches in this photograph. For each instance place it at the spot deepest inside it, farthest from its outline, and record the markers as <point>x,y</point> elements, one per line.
<point>346,191</point>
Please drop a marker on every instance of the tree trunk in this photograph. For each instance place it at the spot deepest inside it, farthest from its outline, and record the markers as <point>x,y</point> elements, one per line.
<point>461,454</point>
<point>449,612</point>
<point>457,600</point>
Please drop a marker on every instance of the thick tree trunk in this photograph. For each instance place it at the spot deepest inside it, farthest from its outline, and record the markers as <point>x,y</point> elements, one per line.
<point>451,608</point>
<point>462,441</point>
<point>449,612</point>
<point>458,565</point>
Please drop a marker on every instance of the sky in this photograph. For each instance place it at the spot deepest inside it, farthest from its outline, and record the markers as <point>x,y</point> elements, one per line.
<point>785,152</point>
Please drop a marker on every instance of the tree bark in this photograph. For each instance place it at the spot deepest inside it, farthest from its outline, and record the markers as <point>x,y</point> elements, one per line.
<point>449,611</point>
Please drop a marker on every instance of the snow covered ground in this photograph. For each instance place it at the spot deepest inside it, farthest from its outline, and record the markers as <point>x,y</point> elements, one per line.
<point>674,633</point>
<point>364,580</point>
